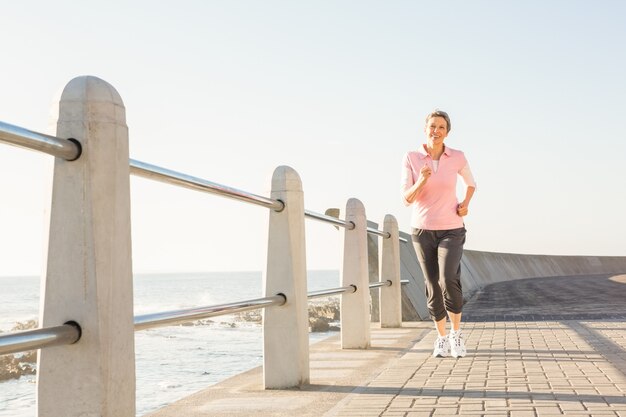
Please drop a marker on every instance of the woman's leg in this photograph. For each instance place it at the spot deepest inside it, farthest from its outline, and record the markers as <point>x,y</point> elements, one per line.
<point>455,321</point>
<point>426,248</point>
<point>450,254</point>
<point>440,325</point>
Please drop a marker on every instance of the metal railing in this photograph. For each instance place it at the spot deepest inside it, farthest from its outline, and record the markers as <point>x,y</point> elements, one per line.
<point>70,332</point>
<point>165,318</point>
<point>381,284</point>
<point>74,210</point>
<point>329,219</point>
<point>346,224</point>
<point>156,173</point>
<point>168,176</point>
<point>66,334</point>
<point>147,321</point>
<point>67,149</point>
<point>332,291</point>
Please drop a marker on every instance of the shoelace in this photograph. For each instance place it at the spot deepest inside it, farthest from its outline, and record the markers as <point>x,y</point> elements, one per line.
<point>457,339</point>
<point>441,343</point>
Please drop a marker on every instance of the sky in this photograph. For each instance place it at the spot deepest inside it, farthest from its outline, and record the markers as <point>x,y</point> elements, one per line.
<point>338,90</point>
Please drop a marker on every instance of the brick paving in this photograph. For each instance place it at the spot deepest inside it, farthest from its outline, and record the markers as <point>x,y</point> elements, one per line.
<point>538,347</point>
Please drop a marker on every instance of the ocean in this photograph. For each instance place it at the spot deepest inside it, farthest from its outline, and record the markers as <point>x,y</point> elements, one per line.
<point>171,362</point>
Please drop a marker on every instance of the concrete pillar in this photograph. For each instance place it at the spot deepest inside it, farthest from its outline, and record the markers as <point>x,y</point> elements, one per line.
<point>355,320</point>
<point>390,297</point>
<point>88,272</point>
<point>373,271</point>
<point>286,328</point>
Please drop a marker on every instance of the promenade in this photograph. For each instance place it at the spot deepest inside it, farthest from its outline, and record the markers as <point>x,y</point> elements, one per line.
<point>536,347</point>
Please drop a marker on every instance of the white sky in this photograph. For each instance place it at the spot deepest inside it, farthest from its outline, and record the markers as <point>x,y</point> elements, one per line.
<point>228,90</point>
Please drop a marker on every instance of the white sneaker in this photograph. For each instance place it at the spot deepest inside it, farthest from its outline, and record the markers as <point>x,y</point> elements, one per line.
<point>457,345</point>
<point>442,347</point>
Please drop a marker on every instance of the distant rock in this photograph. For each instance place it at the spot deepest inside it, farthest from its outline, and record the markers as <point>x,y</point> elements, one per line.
<point>15,366</point>
<point>25,325</point>
<point>319,324</point>
<point>328,309</point>
<point>322,314</point>
<point>253,316</point>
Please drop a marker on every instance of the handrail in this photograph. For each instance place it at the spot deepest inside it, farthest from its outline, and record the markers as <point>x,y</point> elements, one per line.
<point>384,235</point>
<point>284,251</point>
<point>67,149</point>
<point>147,321</point>
<point>70,332</point>
<point>347,224</point>
<point>332,291</point>
<point>329,219</point>
<point>65,334</point>
<point>387,283</point>
<point>153,172</point>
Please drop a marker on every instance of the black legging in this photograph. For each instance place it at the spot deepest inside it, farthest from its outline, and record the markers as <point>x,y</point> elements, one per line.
<point>439,253</point>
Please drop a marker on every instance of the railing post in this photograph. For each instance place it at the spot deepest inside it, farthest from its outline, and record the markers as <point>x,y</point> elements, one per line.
<point>88,272</point>
<point>286,328</point>
<point>391,297</point>
<point>355,320</point>
<point>373,272</point>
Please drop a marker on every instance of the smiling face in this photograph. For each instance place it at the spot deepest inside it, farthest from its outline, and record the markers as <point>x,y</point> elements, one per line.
<point>436,131</point>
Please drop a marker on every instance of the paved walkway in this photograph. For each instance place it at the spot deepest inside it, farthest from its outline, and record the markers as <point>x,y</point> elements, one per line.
<point>558,298</point>
<point>543,347</point>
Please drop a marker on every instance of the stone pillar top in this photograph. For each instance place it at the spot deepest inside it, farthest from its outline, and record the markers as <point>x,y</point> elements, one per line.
<point>286,178</point>
<point>89,96</point>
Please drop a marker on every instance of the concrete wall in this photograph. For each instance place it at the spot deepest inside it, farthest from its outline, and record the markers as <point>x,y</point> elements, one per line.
<point>483,268</point>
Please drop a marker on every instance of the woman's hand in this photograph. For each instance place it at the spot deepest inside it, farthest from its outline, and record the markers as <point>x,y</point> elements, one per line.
<point>462,209</point>
<point>411,194</point>
<point>425,173</point>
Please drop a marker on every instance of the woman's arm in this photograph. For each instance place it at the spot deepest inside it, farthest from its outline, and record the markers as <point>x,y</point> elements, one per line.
<point>463,207</point>
<point>411,193</point>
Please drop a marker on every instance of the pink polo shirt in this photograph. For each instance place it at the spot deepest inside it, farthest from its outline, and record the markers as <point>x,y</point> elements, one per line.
<point>435,206</point>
